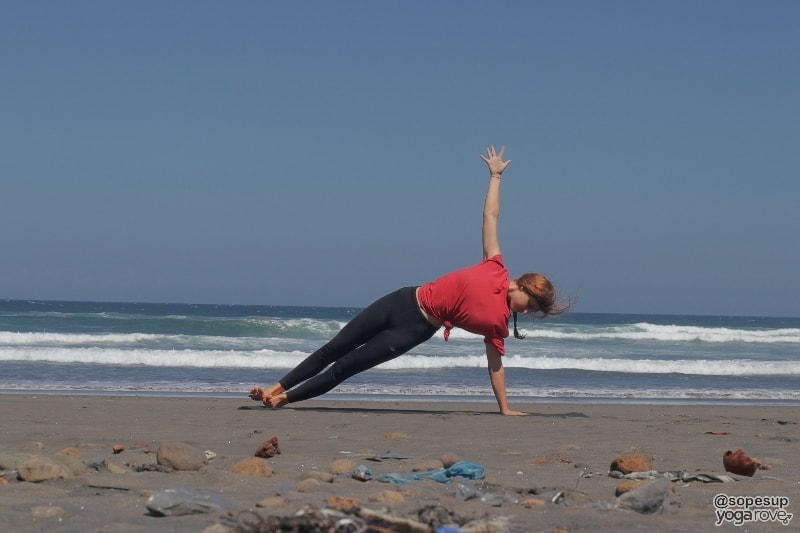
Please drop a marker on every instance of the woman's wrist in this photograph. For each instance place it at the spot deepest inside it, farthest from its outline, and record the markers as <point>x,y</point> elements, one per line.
<point>496,176</point>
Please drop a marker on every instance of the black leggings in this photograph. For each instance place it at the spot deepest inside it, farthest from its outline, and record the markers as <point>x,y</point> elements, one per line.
<point>386,329</point>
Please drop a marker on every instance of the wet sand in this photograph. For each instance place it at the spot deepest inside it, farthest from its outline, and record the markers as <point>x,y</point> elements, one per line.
<point>560,452</point>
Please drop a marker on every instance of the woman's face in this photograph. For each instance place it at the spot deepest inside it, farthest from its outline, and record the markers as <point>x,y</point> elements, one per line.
<point>520,301</point>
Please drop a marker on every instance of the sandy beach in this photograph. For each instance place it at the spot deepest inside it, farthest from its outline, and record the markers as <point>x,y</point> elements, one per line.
<point>547,472</point>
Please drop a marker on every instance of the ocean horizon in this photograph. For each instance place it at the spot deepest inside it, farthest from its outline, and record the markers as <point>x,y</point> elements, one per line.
<point>108,348</point>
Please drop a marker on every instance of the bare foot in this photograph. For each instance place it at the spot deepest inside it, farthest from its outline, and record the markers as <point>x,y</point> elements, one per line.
<point>278,400</point>
<point>263,395</point>
<point>257,394</point>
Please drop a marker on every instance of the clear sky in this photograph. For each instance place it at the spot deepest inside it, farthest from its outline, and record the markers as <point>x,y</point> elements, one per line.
<point>325,153</point>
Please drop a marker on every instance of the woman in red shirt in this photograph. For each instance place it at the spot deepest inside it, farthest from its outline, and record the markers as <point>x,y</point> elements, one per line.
<point>478,299</point>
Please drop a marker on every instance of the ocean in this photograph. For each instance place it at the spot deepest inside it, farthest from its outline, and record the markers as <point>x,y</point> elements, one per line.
<point>52,347</point>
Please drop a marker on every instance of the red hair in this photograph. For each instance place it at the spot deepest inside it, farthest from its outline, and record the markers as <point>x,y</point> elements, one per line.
<point>538,287</point>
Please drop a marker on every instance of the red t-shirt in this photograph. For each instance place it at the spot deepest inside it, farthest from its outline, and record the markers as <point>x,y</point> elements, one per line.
<point>473,298</point>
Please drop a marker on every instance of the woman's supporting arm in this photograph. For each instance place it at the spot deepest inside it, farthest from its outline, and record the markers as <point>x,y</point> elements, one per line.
<point>497,375</point>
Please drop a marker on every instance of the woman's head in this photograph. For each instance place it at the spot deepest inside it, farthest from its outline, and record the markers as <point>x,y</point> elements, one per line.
<point>542,300</point>
<point>541,295</point>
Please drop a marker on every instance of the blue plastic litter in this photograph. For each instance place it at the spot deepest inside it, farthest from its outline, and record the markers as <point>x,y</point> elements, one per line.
<point>460,469</point>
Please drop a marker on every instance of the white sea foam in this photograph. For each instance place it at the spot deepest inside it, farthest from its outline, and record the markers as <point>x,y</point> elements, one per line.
<point>654,332</point>
<point>642,331</point>
<point>273,359</point>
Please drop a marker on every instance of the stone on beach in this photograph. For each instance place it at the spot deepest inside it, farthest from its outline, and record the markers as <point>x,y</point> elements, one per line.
<point>632,462</point>
<point>74,463</point>
<point>118,448</point>
<point>650,498</point>
<point>180,456</point>
<point>389,497</point>
<point>269,448</point>
<point>271,501</point>
<point>308,485</point>
<point>39,468</point>
<point>449,459</point>
<point>343,503</point>
<point>75,452</point>
<point>253,466</point>
<point>629,485</point>
<point>10,461</point>
<point>342,466</point>
<point>116,465</point>
<point>739,463</point>
<point>324,477</point>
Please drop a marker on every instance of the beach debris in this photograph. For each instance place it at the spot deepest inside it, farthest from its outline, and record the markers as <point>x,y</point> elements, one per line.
<point>463,469</point>
<point>3,482</point>
<point>150,467</point>
<point>346,515</point>
<point>386,456</point>
<point>674,475</point>
<point>740,463</point>
<point>361,473</point>
<point>269,448</point>
<point>118,448</point>
<point>631,462</point>
<point>209,455</point>
<point>650,498</point>
<point>180,456</point>
<point>307,519</point>
<point>39,468</point>
<point>716,433</point>
<point>491,494</point>
<point>183,500</point>
<point>586,470</point>
<point>253,466</point>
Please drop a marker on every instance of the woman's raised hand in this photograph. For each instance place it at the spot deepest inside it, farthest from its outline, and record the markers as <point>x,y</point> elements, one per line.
<point>495,161</point>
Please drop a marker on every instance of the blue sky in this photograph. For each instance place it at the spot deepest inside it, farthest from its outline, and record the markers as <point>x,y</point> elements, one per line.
<point>324,153</point>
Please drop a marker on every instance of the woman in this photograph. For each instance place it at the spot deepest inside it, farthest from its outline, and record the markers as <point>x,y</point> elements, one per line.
<point>478,299</point>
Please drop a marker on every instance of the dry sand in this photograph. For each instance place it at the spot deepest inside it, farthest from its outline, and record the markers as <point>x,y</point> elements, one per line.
<point>530,459</point>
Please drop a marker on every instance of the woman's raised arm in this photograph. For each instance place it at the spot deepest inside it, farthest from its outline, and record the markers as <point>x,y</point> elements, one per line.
<point>491,206</point>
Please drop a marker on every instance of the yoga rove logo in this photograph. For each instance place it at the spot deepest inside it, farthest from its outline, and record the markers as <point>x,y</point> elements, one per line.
<point>739,510</point>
